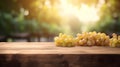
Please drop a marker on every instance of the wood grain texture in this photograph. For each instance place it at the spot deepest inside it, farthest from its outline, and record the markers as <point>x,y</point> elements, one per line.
<point>46,54</point>
<point>59,60</point>
<point>50,48</point>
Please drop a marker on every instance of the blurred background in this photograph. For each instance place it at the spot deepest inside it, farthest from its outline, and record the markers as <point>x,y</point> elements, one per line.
<point>42,20</point>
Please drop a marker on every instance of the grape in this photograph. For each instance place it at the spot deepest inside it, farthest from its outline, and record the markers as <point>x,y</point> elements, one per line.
<point>92,39</point>
<point>115,41</point>
<point>64,40</point>
<point>87,39</point>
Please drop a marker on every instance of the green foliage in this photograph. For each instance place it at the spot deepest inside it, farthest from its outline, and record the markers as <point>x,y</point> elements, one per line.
<point>10,24</point>
<point>45,19</point>
<point>6,24</point>
<point>18,24</point>
<point>110,18</point>
<point>41,18</point>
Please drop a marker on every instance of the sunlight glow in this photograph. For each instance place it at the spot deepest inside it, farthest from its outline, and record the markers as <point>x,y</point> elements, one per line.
<point>66,8</point>
<point>85,13</point>
<point>47,3</point>
<point>88,13</point>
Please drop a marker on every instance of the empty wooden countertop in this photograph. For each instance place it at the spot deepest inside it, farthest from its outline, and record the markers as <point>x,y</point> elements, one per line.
<point>50,48</point>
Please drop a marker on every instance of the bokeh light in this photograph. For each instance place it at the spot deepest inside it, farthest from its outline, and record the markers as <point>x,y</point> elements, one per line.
<point>85,13</point>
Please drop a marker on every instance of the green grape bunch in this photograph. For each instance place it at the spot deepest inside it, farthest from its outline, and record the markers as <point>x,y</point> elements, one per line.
<point>92,39</point>
<point>115,41</point>
<point>87,39</point>
<point>64,40</point>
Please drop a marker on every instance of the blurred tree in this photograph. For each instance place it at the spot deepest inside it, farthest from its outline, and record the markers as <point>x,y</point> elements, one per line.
<point>110,18</point>
<point>6,24</point>
<point>20,15</point>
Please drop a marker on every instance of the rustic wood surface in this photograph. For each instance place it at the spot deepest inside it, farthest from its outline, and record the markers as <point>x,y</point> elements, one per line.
<point>46,54</point>
<point>50,48</point>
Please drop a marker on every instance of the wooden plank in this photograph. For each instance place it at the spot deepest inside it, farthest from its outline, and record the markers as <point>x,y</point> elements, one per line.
<point>50,48</point>
<point>59,60</point>
<point>46,54</point>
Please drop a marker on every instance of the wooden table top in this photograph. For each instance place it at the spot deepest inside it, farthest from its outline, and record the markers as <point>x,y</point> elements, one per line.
<point>50,48</point>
